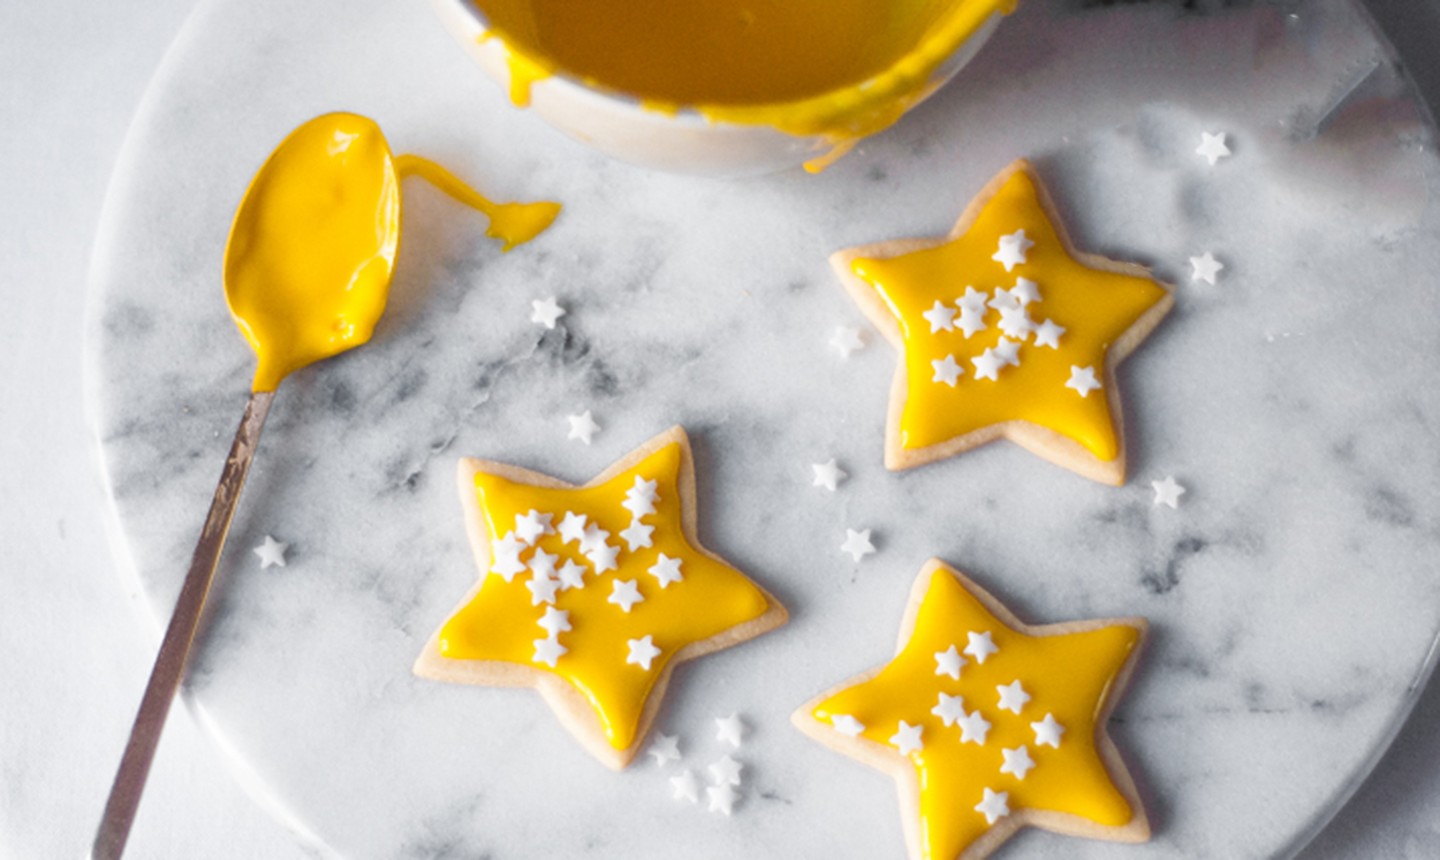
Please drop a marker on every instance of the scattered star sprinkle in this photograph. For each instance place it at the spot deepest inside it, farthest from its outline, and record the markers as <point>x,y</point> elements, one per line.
<point>722,798</point>
<point>980,646</point>
<point>973,728</point>
<point>948,662</point>
<point>994,806</point>
<point>725,771</point>
<point>549,651</point>
<point>625,593</point>
<point>847,340</point>
<point>1012,697</point>
<point>1048,732</point>
<point>271,552</point>
<point>546,312</point>
<point>730,730</point>
<point>946,370</point>
<point>686,787</point>
<point>532,525</point>
<point>555,621</point>
<point>1047,334</point>
<point>666,570</point>
<point>987,365</point>
<point>1013,248</point>
<point>642,652</point>
<point>665,748</point>
<point>857,544</point>
<point>941,317</point>
<point>1083,380</point>
<point>950,709</point>
<point>847,725</point>
<point>1212,147</point>
<point>583,427</point>
<point>1017,761</point>
<point>1167,492</point>
<point>907,738</point>
<point>828,475</point>
<point>1205,268</point>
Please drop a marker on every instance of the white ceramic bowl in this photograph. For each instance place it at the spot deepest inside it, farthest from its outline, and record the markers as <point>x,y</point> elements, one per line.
<point>684,142</point>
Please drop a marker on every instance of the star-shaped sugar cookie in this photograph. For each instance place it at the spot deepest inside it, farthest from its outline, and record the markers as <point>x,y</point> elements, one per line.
<point>1017,737</point>
<point>995,324</point>
<point>593,594</point>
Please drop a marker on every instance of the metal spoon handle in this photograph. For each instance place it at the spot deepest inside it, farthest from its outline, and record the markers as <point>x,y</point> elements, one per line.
<point>175,647</point>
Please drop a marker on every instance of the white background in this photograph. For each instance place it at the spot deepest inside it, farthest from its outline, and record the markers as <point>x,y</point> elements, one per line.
<point>74,647</point>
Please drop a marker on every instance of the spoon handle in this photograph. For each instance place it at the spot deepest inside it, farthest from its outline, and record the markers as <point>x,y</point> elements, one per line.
<point>175,647</point>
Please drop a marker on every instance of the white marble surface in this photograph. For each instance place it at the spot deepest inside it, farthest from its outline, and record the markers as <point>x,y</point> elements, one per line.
<point>52,536</point>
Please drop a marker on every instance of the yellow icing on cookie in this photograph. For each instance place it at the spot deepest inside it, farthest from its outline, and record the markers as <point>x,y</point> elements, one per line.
<point>1094,307</point>
<point>1067,677</point>
<point>503,620</point>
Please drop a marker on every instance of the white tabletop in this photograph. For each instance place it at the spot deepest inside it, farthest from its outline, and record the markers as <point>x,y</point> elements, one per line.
<point>77,649</point>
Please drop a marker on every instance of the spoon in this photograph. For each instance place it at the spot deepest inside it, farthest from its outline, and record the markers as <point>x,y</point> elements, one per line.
<point>307,273</point>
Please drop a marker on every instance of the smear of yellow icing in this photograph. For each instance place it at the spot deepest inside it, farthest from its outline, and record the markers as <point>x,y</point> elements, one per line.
<point>1094,306</point>
<point>312,248</point>
<point>501,621</point>
<point>1067,675</point>
<point>511,223</point>
<point>841,69</point>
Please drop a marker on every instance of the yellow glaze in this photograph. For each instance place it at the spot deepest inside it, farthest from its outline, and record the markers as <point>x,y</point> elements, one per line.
<point>312,248</point>
<point>511,223</point>
<point>1094,306</point>
<point>501,621</point>
<point>1068,675</point>
<point>837,68</point>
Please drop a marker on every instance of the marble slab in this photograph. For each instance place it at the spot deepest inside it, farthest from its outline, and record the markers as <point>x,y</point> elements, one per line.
<point>1293,596</point>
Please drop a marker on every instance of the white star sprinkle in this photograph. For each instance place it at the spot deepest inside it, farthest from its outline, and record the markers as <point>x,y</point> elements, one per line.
<point>542,564</point>
<point>572,527</point>
<point>1017,761</point>
<point>994,806</point>
<point>605,558</point>
<point>666,570</point>
<point>948,662</point>
<point>542,590</point>
<point>847,340</point>
<point>1012,697</point>
<point>973,728</point>
<point>973,301</point>
<point>506,561</point>
<point>847,725</point>
<point>1083,380</point>
<point>1048,334</point>
<point>907,738</point>
<point>546,312</point>
<point>1008,351</point>
<point>722,798</point>
<point>725,771</point>
<point>950,709</point>
<point>548,651</point>
<point>730,730</point>
<point>686,787</point>
<point>555,621</point>
<point>1012,250</point>
<point>572,575</point>
<point>1212,147</point>
<point>583,427</point>
<point>857,544</point>
<point>1025,291</point>
<point>642,652</point>
<point>1167,492</point>
<point>665,748</point>
<point>1048,732</point>
<point>637,535</point>
<point>593,538</point>
<point>271,552</point>
<point>1205,268</point>
<point>946,370</point>
<point>971,321</point>
<point>980,646</point>
<point>1016,323</point>
<point>640,499</point>
<point>1003,299</point>
<point>987,365</point>
<point>828,475</point>
<point>624,593</point>
<point>941,317</point>
<point>529,527</point>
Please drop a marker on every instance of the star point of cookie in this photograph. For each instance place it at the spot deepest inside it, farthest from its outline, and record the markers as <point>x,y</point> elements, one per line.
<point>1016,739</point>
<point>988,322</point>
<point>571,602</point>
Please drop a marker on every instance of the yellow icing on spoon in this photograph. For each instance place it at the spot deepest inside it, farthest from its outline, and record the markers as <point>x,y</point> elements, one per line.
<point>312,249</point>
<point>512,223</point>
